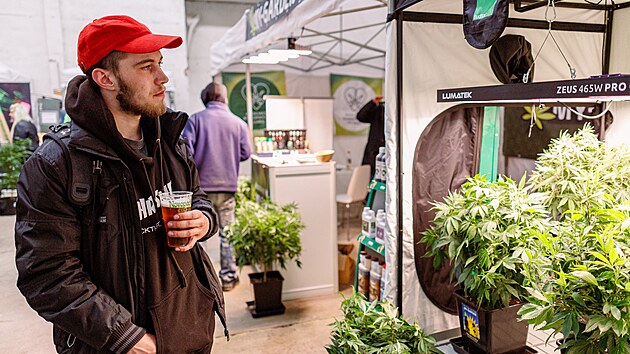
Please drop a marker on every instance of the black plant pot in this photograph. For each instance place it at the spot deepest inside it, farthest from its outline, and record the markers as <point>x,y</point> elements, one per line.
<point>267,294</point>
<point>7,206</point>
<point>492,332</point>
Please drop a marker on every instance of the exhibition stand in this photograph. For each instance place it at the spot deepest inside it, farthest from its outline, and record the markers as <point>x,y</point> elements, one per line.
<point>428,131</point>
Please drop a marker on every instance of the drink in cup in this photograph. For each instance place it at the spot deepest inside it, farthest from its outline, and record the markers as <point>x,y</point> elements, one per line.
<point>173,203</point>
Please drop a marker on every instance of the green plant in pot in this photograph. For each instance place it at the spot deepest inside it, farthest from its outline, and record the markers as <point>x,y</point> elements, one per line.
<point>12,157</point>
<point>483,229</point>
<point>266,234</point>
<point>375,327</point>
<point>580,281</point>
<point>579,275</point>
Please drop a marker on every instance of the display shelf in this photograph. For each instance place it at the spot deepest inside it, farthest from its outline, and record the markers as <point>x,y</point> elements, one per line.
<point>377,186</point>
<point>372,244</point>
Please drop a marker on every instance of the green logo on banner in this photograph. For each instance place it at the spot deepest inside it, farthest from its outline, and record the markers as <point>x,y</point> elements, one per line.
<point>485,8</point>
<point>261,87</point>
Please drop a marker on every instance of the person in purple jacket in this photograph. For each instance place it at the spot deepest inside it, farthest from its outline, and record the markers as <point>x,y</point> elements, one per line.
<point>219,141</point>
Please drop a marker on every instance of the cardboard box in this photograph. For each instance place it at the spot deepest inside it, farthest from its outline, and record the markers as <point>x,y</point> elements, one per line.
<point>347,267</point>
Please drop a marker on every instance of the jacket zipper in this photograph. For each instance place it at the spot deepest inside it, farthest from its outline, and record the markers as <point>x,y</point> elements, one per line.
<point>216,294</point>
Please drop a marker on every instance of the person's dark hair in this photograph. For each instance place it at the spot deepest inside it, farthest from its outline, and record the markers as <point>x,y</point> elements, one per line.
<point>110,62</point>
<point>211,93</point>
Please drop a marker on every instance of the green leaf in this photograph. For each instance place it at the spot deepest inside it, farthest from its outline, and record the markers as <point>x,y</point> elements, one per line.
<point>585,276</point>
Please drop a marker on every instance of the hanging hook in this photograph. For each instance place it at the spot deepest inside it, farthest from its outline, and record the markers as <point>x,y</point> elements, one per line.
<point>551,4</point>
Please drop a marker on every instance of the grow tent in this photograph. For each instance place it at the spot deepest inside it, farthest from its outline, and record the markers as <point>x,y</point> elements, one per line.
<point>429,155</point>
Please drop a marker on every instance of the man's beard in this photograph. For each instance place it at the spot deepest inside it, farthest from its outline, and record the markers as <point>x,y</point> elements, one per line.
<point>128,103</point>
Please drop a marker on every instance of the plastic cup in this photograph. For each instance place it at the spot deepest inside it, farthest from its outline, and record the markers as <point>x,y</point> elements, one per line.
<point>173,203</point>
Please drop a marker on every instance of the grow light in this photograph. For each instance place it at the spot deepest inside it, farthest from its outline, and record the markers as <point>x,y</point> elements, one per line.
<point>595,89</point>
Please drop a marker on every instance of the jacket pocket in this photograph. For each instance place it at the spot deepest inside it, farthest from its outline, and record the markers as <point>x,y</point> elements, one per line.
<point>184,321</point>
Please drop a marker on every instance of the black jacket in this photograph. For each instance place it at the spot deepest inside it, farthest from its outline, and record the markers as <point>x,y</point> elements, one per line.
<point>89,282</point>
<point>375,115</point>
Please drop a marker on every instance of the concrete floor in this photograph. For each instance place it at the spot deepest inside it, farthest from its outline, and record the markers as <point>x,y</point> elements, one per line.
<point>304,328</point>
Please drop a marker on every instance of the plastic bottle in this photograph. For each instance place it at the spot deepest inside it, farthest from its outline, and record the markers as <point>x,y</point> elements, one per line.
<point>376,267</point>
<point>372,224</point>
<point>368,222</point>
<point>375,286</point>
<point>380,165</point>
<point>367,262</point>
<point>381,220</point>
<point>363,280</point>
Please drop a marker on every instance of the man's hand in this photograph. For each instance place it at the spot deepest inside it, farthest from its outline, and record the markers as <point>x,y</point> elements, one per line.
<point>190,224</point>
<point>377,99</point>
<point>146,345</point>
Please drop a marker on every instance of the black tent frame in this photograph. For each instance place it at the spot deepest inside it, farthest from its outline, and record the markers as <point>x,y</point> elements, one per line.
<point>398,13</point>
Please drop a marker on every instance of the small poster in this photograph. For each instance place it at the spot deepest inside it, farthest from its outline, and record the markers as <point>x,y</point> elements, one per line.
<point>263,84</point>
<point>470,319</point>
<point>12,92</point>
<point>350,94</point>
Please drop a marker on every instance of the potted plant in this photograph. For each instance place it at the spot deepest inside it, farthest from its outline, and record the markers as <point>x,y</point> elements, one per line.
<point>264,235</point>
<point>579,276</point>
<point>483,230</point>
<point>375,327</point>
<point>12,157</point>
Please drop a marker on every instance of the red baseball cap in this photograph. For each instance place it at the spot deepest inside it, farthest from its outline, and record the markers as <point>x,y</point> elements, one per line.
<point>122,33</point>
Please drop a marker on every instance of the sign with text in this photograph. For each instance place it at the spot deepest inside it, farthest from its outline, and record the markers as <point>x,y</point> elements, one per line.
<point>618,85</point>
<point>263,84</point>
<point>350,94</point>
<point>267,12</point>
<point>528,130</point>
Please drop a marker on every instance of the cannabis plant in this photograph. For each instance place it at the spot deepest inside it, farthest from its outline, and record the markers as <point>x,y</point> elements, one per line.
<point>483,230</point>
<point>578,276</point>
<point>579,281</point>
<point>12,157</point>
<point>244,190</point>
<point>266,234</point>
<point>579,172</point>
<point>374,327</point>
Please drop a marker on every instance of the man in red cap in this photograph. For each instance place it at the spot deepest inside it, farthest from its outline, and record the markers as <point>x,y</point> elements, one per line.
<point>91,247</point>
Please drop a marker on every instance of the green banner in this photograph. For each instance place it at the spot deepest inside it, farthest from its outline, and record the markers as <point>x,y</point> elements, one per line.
<point>263,83</point>
<point>350,94</point>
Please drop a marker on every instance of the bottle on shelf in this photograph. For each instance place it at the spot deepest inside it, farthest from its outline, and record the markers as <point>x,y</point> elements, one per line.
<point>363,280</point>
<point>375,284</point>
<point>368,262</point>
<point>381,221</point>
<point>368,223</point>
<point>372,224</point>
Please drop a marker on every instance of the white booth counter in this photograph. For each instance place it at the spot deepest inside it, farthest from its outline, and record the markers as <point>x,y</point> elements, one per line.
<point>302,180</point>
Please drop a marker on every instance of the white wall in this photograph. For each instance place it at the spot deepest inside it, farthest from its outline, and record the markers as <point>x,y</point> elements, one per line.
<point>212,21</point>
<point>39,37</point>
